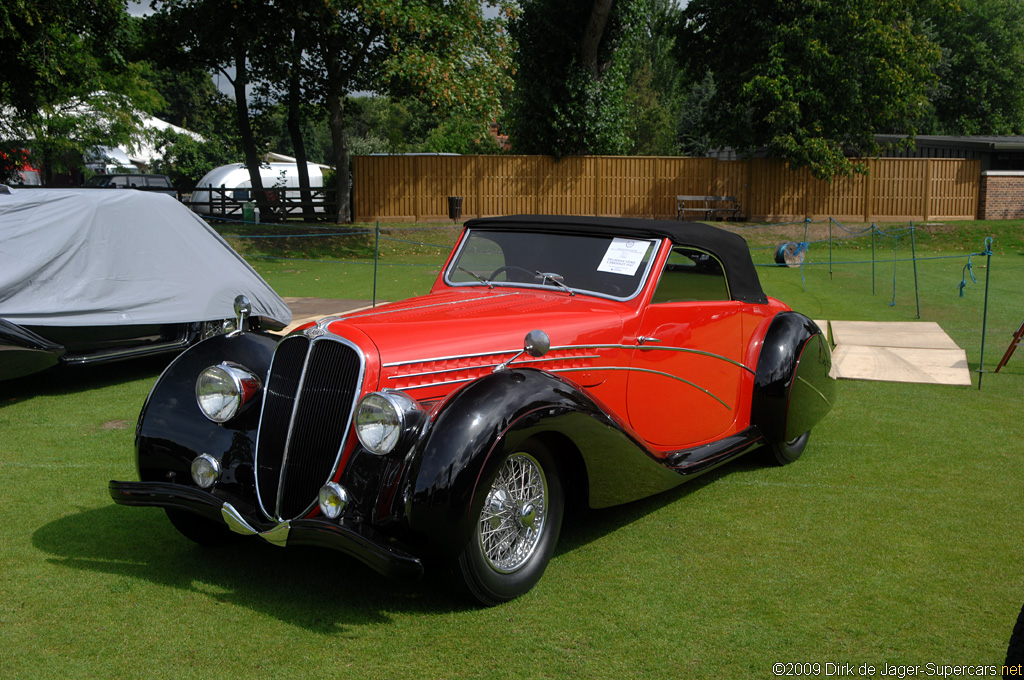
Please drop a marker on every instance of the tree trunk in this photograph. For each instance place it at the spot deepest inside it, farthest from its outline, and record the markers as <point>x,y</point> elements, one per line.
<point>336,105</point>
<point>295,132</point>
<point>592,35</point>
<point>252,159</point>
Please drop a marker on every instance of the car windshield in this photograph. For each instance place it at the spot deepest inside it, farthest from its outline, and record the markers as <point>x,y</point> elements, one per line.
<point>606,266</point>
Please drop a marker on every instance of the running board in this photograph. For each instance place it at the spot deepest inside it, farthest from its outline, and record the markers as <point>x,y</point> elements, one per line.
<point>703,458</point>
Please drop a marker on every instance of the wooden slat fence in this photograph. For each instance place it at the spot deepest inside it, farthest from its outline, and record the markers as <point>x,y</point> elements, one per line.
<point>416,188</point>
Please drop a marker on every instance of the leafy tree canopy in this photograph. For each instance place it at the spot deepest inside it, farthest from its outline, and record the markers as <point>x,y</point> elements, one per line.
<point>980,90</point>
<point>809,79</point>
<point>572,76</point>
<point>654,91</point>
<point>67,83</point>
<point>311,55</point>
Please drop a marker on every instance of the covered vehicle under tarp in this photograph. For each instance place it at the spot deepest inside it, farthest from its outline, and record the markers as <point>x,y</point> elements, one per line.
<point>71,257</point>
<point>113,262</point>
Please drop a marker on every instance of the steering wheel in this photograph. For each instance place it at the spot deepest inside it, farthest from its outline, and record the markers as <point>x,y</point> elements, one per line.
<point>507,268</point>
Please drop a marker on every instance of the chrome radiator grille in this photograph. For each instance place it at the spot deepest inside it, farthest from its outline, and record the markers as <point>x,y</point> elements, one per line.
<point>310,394</point>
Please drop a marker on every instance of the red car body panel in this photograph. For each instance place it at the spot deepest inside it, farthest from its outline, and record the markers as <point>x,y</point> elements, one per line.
<point>428,346</point>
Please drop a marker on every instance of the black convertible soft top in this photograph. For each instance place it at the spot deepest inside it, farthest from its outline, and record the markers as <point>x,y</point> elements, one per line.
<point>731,249</point>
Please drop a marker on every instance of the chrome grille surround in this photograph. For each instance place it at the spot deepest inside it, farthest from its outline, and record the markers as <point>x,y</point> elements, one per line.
<point>311,392</point>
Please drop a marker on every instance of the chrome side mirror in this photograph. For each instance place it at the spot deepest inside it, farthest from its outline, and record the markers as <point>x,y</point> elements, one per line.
<point>243,308</point>
<point>536,344</point>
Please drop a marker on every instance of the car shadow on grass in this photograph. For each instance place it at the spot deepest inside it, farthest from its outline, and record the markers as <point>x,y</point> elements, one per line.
<point>78,379</point>
<point>583,527</point>
<point>316,589</point>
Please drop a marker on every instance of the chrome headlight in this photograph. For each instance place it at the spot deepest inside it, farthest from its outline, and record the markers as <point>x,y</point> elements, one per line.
<point>383,418</point>
<point>222,391</point>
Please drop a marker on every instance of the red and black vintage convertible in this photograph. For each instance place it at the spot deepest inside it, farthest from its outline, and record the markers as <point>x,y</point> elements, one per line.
<point>556,360</point>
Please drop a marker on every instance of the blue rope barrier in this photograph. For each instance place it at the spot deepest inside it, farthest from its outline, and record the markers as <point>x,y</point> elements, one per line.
<point>303,259</point>
<point>844,262</point>
<point>969,267</point>
<point>250,236</point>
<point>415,243</point>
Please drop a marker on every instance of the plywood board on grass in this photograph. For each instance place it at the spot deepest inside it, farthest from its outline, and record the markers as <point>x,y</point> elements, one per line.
<point>823,325</point>
<point>918,334</point>
<point>901,364</point>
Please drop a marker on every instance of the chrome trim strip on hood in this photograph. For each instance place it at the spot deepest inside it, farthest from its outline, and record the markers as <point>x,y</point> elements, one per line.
<point>648,348</point>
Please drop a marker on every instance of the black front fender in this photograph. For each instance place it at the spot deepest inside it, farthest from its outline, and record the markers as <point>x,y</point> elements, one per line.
<point>172,430</point>
<point>468,438</point>
<point>792,387</point>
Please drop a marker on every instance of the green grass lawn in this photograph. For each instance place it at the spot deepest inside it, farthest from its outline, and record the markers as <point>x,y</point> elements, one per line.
<point>895,539</point>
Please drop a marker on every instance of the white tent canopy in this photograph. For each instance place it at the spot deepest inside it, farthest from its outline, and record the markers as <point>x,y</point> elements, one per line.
<point>79,257</point>
<point>142,150</point>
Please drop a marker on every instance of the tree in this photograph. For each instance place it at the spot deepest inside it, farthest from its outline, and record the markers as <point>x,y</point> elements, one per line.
<point>571,81</point>
<point>228,37</point>
<point>192,100</point>
<point>311,55</point>
<point>980,91</point>
<point>67,83</point>
<point>445,49</point>
<point>185,160</point>
<point>655,86</point>
<point>809,80</point>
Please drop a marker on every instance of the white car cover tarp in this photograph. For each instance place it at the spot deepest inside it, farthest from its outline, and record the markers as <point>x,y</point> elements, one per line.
<point>104,257</point>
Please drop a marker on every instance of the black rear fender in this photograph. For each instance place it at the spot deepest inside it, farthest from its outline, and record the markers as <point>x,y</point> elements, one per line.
<point>792,387</point>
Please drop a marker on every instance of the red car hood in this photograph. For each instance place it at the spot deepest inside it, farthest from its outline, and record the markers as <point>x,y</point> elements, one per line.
<point>476,321</point>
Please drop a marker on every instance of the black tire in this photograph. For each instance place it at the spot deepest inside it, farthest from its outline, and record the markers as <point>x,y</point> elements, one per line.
<point>784,453</point>
<point>1015,650</point>
<point>199,529</point>
<point>507,552</point>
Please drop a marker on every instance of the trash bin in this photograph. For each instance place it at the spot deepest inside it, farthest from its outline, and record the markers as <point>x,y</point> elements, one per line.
<point>249,212</point>
<point>454,208</point>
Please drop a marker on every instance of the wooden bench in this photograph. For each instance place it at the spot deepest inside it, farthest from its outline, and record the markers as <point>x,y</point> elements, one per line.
<point>707,207</point>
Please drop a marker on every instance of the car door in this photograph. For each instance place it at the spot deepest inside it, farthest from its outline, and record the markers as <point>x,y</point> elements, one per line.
<point>684,383</point>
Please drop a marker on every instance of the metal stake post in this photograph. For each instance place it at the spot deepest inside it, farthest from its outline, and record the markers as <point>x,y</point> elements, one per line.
<point>376,260</point>
<point>984,315</point>
<point>830,220</point>
<point>873,258</point>
<point>913,254</point>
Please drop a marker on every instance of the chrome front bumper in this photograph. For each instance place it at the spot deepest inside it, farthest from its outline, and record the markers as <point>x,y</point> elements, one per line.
<point>360,542</point>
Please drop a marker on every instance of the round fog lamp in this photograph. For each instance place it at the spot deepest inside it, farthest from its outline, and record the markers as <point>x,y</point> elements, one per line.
<point>205,471</point>
<point>332,500</point>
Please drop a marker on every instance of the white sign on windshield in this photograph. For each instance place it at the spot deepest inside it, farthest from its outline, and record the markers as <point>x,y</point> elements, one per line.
<point>623,256</point>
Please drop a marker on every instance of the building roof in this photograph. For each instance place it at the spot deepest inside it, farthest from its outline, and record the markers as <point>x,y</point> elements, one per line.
<point>973,142</point>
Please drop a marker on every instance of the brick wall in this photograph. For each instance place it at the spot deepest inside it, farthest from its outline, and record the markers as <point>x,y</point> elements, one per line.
<point>1002,195</point>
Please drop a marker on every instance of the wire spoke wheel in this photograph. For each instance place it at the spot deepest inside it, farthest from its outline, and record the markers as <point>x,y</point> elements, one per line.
<point>516,526</point>
<point>512,519</point>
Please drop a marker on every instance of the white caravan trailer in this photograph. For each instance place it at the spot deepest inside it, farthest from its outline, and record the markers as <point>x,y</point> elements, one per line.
<point>283,178</point>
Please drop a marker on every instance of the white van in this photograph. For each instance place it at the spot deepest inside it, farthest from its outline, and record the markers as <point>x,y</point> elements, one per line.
<point>283,178</point>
